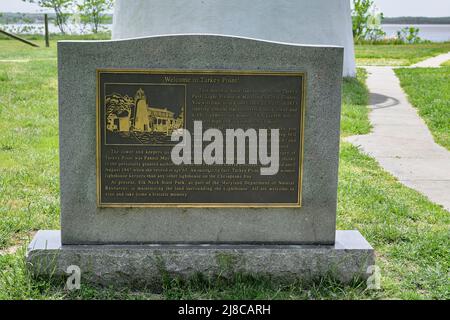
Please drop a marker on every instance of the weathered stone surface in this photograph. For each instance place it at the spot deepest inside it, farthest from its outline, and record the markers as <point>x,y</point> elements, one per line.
<point>82,222</point>
<point>144,265</point>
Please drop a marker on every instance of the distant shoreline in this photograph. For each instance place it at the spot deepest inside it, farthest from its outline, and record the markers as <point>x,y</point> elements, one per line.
<point>416,20</point>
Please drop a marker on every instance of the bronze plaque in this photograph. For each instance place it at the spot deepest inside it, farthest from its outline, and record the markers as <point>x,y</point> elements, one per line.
<point>139,110</point>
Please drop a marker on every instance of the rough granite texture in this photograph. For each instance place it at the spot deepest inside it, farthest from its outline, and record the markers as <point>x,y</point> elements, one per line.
<point>82,222</point>
<point>145,265</point>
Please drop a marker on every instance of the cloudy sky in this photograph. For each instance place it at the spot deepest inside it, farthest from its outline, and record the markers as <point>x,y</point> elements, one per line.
<point>390,8</point>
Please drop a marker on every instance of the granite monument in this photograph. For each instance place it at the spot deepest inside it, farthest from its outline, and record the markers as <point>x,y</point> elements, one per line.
<point>130,214</point>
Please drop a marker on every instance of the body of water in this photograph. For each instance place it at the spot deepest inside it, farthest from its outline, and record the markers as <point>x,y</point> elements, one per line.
<point>34,28</point>
<point>432,32</point>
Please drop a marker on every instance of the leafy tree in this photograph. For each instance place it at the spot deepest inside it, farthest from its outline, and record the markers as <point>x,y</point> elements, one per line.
<point>60,7</point>
<point>92,12</point>
<point>360,16</point>
<point>366,21</point>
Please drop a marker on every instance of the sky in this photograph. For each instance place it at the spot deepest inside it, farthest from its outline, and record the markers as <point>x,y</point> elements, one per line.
<point>390,8</point>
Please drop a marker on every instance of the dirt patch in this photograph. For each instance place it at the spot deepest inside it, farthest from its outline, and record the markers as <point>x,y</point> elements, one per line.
<point>10,250</point>
<point>18,241</point>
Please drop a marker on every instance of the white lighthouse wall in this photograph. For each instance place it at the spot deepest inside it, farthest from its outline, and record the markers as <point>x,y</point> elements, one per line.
<point>325,22</point>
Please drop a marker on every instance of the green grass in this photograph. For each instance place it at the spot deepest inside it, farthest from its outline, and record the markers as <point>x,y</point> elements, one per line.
<point>28,141</point>
<point>428,89</point>
<point>20,52</point>
<point>398,55</point>
<point>409,233</point>
<point>446,64</point>
<point>354,116</point>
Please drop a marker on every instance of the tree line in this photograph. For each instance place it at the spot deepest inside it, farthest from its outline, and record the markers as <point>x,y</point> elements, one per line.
<point>416,20</point>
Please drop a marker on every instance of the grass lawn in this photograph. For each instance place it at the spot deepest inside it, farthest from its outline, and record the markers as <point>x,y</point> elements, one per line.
<point>446,64</point>
<point>409,233</point>
<point>398,55</point>
<point>428,89</point>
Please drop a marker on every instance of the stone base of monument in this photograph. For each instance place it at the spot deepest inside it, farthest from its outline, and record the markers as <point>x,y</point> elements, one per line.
<point>145,265</point>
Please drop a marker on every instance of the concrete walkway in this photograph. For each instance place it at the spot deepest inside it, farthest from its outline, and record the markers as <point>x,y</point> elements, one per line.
<point>400,140</point>
<point>434,62</point>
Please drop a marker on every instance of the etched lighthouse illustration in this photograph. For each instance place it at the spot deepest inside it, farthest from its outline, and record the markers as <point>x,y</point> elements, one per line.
<point>134,120</point>
<point>141,119</point>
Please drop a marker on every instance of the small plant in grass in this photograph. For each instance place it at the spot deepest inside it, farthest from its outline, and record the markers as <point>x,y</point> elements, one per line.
<point>409,35</point>
<point>4,76</point>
